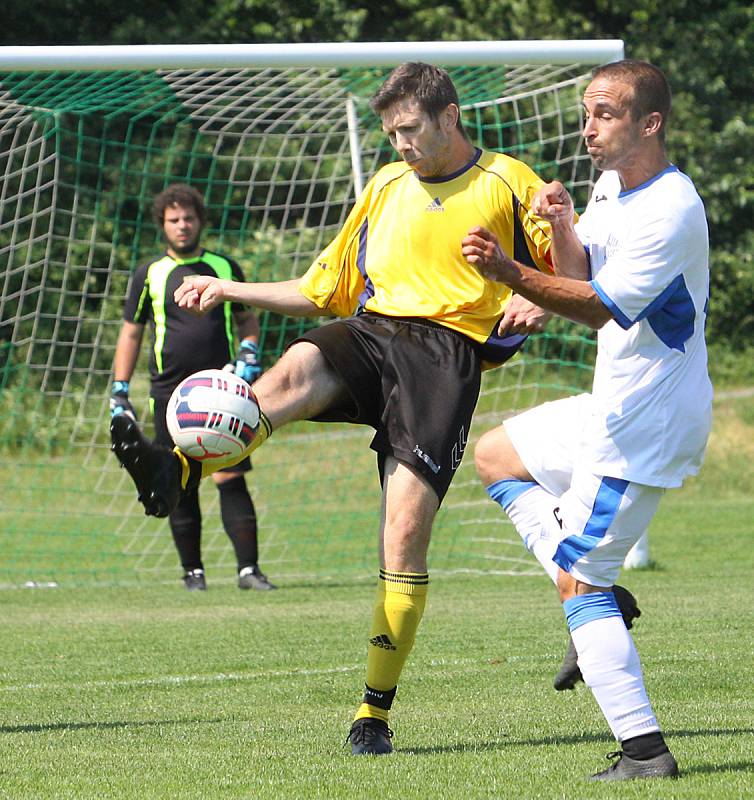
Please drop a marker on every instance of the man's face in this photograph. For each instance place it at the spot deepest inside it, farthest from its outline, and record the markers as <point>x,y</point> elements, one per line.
<point>182,229</point>
<point>613,138</point>
<point>421,141</point>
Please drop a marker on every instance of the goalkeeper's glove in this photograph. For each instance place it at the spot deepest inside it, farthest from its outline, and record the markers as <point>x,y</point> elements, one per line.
<point>248,364</point>
<point>119,402</point>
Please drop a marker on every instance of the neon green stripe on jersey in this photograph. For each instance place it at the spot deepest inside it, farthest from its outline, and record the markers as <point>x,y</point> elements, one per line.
<point>157,278</point>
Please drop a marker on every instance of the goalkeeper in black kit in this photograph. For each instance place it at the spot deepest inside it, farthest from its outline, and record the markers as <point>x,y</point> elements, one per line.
<point>183,344</point>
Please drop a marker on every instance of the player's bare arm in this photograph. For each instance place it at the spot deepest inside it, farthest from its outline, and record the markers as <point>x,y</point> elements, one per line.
<point>553,203</point>
<point>568,297</point>
<point>201,294</point>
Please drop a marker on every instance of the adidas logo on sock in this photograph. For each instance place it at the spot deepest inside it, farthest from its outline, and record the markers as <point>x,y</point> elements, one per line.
<point>383,641</point>
<point>435,205</point>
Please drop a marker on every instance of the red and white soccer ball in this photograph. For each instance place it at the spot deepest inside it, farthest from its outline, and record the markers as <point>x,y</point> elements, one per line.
<point>213,416</point>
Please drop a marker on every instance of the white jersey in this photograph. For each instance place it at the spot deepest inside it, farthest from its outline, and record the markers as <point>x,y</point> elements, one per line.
<point>652,396</point>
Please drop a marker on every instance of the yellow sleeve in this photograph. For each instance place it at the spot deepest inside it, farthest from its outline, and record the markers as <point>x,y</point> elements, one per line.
<point>538,231</point>
<point>333,282</point>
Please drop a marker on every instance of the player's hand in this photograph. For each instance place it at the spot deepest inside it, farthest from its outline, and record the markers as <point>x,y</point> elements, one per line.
<point>199,293</point>
<point>553,203</point>
<point>522,316</point>
<point>481,249</point>
<point>248,364</point>
<point>119,402</point>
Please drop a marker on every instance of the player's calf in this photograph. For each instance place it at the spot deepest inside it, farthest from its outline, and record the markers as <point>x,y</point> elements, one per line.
<point>569,673</point>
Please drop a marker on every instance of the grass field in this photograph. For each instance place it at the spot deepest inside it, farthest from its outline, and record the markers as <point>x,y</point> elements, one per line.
<point>153,692</point>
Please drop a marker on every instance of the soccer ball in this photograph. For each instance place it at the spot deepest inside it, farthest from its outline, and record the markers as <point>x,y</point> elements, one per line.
<point>213,415</point>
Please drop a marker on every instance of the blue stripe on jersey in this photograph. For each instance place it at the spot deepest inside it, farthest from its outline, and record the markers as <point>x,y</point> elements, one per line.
<point>671,315</point>
<point>587,607</point>
<point>668,169</point>
<point>453,175</point>
<point>361,263</point>
<point>618,315</point>
<point>606,503</point>
<point>588,261</point>
<point>498,349</point>
<point>506,491</point>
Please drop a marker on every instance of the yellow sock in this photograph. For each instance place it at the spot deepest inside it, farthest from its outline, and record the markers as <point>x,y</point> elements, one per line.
<point>398,609</point>
<point>185,468</point>
<point>264,432</point>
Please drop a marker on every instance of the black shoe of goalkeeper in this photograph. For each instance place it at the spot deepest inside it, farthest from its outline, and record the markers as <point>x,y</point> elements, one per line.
<point>625,768</point>
<point>154,469</point>
<point>194,580</point>
<point>569,673</point>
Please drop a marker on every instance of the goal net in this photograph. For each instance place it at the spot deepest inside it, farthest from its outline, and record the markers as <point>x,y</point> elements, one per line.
<point>279,152</point>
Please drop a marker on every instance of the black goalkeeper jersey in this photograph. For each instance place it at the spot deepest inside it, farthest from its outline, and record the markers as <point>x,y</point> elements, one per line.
<point>182,341</point>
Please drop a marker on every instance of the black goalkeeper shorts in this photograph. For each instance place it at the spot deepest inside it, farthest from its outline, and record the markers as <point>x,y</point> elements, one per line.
<point>162,435</point>
<point>415,382</point>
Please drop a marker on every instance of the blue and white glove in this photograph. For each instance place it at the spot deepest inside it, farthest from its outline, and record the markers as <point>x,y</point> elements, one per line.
<point>119,402</point>
<point>248,364</point>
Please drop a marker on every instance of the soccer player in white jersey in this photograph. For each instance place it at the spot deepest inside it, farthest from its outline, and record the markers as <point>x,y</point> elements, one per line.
<point>581,477</point>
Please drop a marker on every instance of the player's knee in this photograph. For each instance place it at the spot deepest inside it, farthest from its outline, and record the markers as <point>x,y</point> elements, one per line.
<point>496,458</point>
<point>487,457</point>
<point>230,482</point>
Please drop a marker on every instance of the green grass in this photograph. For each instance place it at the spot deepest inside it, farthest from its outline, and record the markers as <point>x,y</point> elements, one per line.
<point>153,692</point>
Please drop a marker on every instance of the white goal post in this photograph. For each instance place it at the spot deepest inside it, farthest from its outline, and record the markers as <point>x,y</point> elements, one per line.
<point>323,54</point>
<point>280,140</point>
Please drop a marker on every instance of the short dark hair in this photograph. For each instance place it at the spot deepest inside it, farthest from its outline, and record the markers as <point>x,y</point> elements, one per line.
<point>650,88</point>
<point>179,194</point>
<point>430,86</point>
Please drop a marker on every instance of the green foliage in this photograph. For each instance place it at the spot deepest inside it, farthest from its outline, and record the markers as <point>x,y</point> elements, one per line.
<point>704,47</point>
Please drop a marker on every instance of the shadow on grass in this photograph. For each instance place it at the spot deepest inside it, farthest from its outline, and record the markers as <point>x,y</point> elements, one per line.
<point>463,747</point>
<point>104,726</point>
<point>717,769</point>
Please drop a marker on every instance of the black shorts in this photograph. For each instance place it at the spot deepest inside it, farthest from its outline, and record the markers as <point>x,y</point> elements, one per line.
<point>415,382</point>
<point>159,407</point>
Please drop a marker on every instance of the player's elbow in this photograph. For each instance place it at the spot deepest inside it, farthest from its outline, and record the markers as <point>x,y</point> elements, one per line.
<point>596,313</point>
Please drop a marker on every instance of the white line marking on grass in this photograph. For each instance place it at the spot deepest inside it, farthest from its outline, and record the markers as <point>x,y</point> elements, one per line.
<point>177,680</point>
<point>222,677</point>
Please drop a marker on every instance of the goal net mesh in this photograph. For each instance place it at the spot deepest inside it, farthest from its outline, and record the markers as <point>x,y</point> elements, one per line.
<point>81,156</point>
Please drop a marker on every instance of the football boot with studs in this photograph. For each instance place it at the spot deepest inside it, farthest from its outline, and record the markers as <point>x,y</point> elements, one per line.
<point>370,737</point>
<point>625,768</point>
<point>154,468</point>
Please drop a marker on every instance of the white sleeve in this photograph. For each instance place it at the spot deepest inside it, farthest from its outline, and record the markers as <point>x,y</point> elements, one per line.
<point>634,279</point>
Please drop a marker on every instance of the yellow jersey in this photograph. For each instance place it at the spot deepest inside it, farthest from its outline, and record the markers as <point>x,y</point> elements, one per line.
<point>399,251</point>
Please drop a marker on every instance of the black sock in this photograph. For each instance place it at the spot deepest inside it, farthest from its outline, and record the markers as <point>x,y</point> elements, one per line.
<point>644,747</point>
<point>186,527</point>
<point>239,520</point>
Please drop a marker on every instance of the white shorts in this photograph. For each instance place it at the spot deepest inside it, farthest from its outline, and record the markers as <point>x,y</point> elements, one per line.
<point>595,518</point>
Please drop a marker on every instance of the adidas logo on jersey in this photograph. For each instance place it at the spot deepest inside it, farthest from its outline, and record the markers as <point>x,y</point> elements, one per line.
<point>435,205</point>
<point>383,641</point>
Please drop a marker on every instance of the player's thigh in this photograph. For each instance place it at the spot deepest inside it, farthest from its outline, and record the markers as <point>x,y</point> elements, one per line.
<point>299,386</point>
<point>547,439</point>
<point>601,518</point>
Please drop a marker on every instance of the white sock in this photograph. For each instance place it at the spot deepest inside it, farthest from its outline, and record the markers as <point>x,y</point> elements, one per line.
<point>610,666</point>
<point>526,504</point>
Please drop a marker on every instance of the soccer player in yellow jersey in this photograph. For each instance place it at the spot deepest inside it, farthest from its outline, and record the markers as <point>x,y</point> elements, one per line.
<point>418,325</point>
